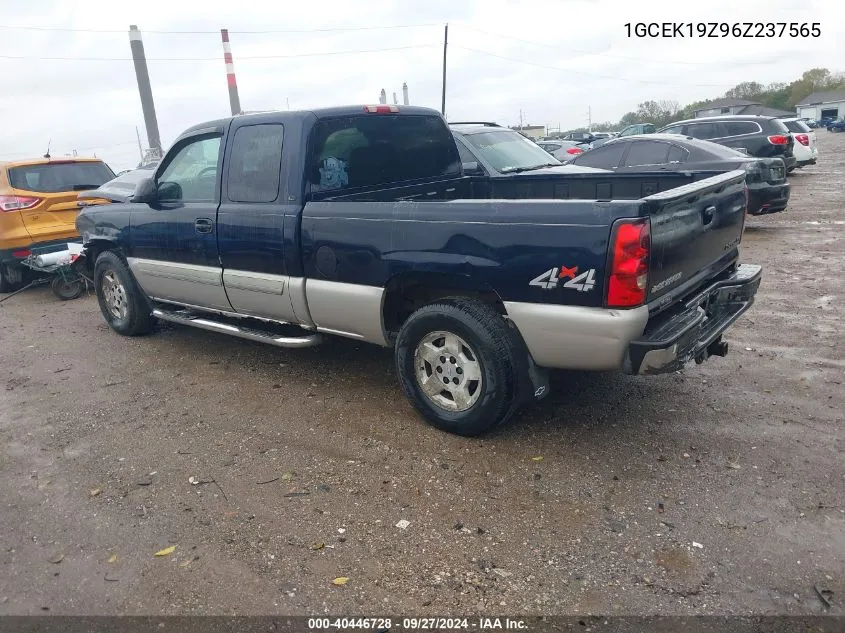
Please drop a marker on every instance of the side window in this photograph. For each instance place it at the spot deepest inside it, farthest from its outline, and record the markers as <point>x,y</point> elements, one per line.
<point>372,150</point>
<point>647,153</point>
<point>677,154</point>
<point>603,157</point>
<point>703,130</point>
<point>738,128</point>
<point>255,163</point>
<point>191,175</point>
<point>675,129</point>
<point>464,153</point>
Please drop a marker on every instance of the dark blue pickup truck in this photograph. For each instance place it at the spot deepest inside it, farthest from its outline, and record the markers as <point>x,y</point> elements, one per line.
<point>359,222</point>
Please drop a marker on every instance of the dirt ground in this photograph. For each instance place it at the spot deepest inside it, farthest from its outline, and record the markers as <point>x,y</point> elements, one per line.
<point>720,489</point>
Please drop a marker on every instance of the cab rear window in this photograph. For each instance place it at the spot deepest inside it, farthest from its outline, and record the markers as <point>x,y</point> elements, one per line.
<point>58,177</point>
<point>377,150</point>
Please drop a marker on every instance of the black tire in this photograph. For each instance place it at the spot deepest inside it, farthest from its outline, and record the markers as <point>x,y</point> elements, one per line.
<point>67,290</point>
<point>137,317</point>
<point>491,343</point>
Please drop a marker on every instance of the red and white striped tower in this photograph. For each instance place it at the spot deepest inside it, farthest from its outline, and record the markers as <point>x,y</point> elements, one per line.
<point>234,100</point>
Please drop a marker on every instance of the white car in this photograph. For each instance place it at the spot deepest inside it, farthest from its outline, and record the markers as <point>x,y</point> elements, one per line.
<point>806,151</point>
<point>564,150</point>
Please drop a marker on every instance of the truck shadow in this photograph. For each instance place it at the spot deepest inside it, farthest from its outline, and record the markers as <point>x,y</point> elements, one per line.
<point>589,401</point>
<point>347,369</point>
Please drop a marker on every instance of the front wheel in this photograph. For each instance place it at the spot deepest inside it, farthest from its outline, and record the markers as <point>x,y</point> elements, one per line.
<point>455,361</point>
<point>124,307</point>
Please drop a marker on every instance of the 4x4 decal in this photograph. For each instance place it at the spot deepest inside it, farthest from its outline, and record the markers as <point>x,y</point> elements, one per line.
<point>550,279</point>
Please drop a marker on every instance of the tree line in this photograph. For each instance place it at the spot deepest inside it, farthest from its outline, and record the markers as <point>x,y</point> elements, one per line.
<point>783,96</point>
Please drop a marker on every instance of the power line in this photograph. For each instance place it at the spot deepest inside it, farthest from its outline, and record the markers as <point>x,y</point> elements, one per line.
<point>78,149</point>
<point>580,72</point>
<point>583,52</point>
<point>198,59</point>
<point>217,32</point>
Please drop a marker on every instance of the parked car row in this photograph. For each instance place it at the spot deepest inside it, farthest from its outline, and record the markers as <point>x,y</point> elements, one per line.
<point>766,147</point>
<point>760,136</point>
<point>768,191</point>
<point>494,151</point>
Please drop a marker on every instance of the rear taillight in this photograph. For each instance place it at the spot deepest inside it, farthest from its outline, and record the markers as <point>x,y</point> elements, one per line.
<point>574,150</point>
<point>381,109</point>
<point>17,203</point>
<point>22,254</point>
<point>804,139</point>
<point>779,139</point>
<point>628,279</point>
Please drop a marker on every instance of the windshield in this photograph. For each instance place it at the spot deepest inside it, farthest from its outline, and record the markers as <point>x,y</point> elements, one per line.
<point>60,176</point>
<point>507,150</point>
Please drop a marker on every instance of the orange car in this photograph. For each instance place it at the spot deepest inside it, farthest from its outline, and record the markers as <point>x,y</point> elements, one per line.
<point>38,208</point>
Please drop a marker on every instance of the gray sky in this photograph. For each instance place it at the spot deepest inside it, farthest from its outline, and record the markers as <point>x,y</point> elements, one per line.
<point>576,54</point>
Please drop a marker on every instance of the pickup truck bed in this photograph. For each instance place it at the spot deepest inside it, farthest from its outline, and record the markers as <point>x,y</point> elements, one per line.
<point>369,230</point>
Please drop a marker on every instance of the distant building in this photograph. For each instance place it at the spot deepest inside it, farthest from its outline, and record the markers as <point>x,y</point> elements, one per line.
<point>820,105</point>
<point>531,131</point>
<point>723,107</point>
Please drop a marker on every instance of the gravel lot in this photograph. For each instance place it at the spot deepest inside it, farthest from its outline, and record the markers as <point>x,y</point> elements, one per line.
<point>307,459</point>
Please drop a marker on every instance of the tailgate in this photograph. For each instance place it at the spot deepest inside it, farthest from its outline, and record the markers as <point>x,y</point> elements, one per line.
<point>695,233</point>
<point>55,214</point>
<point>772,170</point>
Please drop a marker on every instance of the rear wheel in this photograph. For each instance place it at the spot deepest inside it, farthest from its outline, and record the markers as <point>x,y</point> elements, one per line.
<point>455,361</point>
<point>122,303</point>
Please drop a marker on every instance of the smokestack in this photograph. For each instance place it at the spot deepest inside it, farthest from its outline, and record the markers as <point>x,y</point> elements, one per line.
<point>405,93</point>
<point>395,100</point>
<point>234,99</point>
<point>144,89</point>
<point>383,97</point>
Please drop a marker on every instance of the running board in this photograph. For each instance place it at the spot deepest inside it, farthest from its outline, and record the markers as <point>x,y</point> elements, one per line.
<point>184,317</point>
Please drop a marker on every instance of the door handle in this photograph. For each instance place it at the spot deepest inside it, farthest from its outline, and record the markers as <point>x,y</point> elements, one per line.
<point>707,214</point>
<point>203,225</point>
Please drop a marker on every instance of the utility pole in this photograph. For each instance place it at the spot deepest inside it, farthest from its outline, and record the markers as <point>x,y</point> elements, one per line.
<point>234,98</point>
<point>287,101</point>
<point>589,119</point>
<point>520,119</point>
<point>140,148</point>
<point>146,92</point>
<point>443,94</point>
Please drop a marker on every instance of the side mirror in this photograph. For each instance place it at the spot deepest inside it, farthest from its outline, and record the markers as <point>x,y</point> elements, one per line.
<point>168,191</point>
<point>145,191</point>
<point>472,168</point>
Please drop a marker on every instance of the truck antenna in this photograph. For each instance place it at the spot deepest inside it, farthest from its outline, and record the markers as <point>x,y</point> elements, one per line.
<point>47,155</point>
